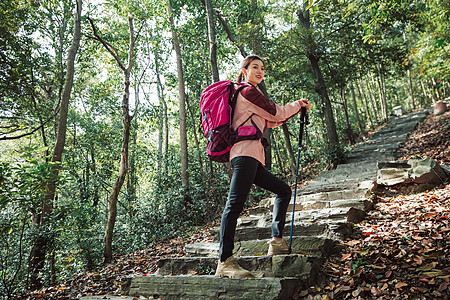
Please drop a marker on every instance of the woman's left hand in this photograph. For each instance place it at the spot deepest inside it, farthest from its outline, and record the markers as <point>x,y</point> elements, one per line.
<point>305,103</point>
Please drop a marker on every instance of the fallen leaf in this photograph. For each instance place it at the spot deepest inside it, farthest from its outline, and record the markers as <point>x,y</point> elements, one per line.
<point>443,286</point>
<point>376,292</point>
<point>400,284</point>
<point>418,260</point>
<point>346,256</point>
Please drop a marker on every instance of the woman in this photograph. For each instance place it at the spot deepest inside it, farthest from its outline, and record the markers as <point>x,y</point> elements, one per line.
<point>247,158</point>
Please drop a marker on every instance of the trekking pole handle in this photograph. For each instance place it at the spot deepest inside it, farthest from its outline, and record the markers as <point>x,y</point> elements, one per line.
<point>304,120</point>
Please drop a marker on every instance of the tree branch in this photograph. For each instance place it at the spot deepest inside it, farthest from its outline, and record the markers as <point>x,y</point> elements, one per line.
<point>108,46</point>
<point>4,138</point>
<point>225,26</point>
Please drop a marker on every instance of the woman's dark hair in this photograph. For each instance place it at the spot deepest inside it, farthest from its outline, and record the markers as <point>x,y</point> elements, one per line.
<point>247,61</point>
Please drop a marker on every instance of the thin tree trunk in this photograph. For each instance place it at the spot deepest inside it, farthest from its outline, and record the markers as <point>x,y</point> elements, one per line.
<point>348,130</point>
<point>363,95</point>
<point>197,144</point>
<point>430,91</point>
<point>320,88</point>
<point>438,96</point>
<point>162,120</point>
<point>38,252</point>
<point>182,99</point>
<point>277,152</point>
<point>288,145</point>
<point>411,93</point>
<point>126,126</point>
<point>212,41</point>
<point>373,100</point>
<point>164,104</point>
<point>355,107</point>
<point>382,95</point>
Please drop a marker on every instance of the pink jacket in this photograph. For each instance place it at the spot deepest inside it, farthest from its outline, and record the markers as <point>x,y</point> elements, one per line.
<point>251,102</point>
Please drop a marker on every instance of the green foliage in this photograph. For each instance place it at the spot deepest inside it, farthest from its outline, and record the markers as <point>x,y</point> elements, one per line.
<point>356,42</point>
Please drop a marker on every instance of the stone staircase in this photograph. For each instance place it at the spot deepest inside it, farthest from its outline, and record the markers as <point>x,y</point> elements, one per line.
<point>325,212</point>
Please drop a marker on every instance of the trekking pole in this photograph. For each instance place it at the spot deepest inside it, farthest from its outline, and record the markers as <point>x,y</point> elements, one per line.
<point>303,122</point>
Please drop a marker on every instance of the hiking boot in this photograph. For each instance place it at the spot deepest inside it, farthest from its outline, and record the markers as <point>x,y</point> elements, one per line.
<point>230,268</point>
<point>276,248</point>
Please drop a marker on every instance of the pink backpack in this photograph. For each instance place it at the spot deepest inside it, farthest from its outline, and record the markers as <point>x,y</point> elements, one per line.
<point>216,107</point>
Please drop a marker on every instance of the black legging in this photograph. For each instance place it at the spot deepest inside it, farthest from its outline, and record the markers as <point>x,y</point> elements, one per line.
<point>246,171</point>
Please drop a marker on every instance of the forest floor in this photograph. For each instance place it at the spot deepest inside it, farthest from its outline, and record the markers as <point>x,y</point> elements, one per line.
<point>401,251</point>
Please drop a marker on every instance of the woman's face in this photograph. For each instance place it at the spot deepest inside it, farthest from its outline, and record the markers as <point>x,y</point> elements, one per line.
<point>254,73</point>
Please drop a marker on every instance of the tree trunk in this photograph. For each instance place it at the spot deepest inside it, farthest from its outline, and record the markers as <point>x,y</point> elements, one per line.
<point>212,41</point>
<point>320,87</point>
<point>430,92</point>
<point>435,88</point>
<point>277,152</point>
<point>288,145</point>
<point>355,107</point>
<point>163,128</point>
<point>38,252</point>
<point>373,99</point>
<point>200,160</point>
<point>114,195</point>
<point>182,100</point>
<point>348,130</point>
<point>363,95</point>
<point>382,94</point>
<point>126,125</point>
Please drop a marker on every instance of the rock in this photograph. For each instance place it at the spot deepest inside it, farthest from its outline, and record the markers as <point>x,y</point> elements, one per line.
<point>355,215</point>
<point>391,176</point>
<point>426,171</point>
<point>420,171</point>
<point>440,108</point>
<point>187,287</point>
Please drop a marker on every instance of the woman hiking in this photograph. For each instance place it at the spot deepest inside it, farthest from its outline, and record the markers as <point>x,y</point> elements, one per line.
<point>253,110</point>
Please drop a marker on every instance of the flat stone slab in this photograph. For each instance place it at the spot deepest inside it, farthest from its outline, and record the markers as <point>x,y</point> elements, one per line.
<point>311,245</point>
<point>307,245</point>
<point>188,287</point>
<point>335,229</point>
<point>107,297</point>
<point>292,265</point>
<point>351,214</point>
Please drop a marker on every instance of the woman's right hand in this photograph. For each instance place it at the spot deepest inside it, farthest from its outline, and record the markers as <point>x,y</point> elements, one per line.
<point>305,103</point>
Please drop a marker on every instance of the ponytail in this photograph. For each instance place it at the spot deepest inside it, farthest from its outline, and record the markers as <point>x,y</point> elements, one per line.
<point>241,77</point>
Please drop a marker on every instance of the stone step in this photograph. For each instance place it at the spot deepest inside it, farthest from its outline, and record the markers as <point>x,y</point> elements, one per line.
<point>190,287</point>
<point>358,166</point>
<point>318,186</point>
<point>330,210</point>
<point>333,190</point>
<point>289,265</point>
<point>364,159</point>
<point>264,220</point>
<point>311,245</point>
<point>334,229</point>
<point>350,214</point>
<point>359,193</point>
<point>337,175</point>
<point>367,148</point>
<point>362,204</point>
<point>381,140</point>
